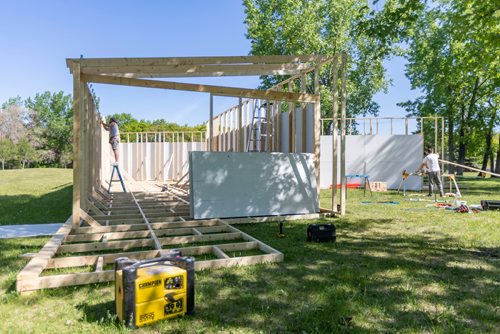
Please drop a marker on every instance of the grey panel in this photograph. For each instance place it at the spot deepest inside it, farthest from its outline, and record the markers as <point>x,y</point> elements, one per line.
<point>230,184</point>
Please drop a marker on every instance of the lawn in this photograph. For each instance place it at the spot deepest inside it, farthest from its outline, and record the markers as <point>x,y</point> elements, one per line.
<point>35,196</point>
<point>399,268</point>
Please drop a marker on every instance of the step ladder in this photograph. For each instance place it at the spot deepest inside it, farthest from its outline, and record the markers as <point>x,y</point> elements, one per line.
<point>258,137</point>
<point>115,167</point>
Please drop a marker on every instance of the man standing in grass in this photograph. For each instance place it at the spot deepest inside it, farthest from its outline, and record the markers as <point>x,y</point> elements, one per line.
<point>114,136</point>
<point>431,163</point>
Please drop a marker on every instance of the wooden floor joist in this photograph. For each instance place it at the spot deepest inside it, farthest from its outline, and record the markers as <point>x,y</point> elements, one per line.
<point>129,233</point>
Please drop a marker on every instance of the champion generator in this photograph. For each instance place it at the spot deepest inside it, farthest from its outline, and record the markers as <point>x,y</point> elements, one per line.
<point>151,290</point>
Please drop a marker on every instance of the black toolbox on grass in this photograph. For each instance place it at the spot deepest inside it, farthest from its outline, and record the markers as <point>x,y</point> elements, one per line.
<point>490,205</point>
<point>321,232</point>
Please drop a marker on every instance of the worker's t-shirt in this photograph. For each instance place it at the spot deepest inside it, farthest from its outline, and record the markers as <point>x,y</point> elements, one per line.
<point>432,162</point>
<point>113,131</point>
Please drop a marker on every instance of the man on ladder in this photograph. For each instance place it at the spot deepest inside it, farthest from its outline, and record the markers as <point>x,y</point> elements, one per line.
<point>114,136</point>
<point>114,140</point>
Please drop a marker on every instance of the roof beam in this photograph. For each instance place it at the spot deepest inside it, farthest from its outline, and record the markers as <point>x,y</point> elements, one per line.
<point>215,90</point>
<point>146,71</point>
<point>157,61</point>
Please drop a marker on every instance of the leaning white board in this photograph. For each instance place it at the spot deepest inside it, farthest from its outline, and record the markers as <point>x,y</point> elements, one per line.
<point>231,184</point>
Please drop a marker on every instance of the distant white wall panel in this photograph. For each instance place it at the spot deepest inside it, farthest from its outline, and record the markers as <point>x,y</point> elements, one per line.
<point>382,157</point>
<point>230,184</point>
<point>160,161</point>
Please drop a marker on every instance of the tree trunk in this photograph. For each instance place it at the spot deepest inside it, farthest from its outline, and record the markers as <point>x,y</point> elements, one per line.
<point>487,152</point>
<point>465,126</point>
<point>461,141</point>
<point>451,144</point>
<point>3,164</point>
<point>23,164</point>
<point>492,162</point>
<point>497,164</point>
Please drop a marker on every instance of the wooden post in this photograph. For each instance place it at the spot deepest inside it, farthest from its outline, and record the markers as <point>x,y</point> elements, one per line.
<point>291,122</point>
<point>317,132</point>
<point>303,144</point>
<point>435,135</point>
<point>211,124</point>
<point>268,127</point>
<point>442,143</point>
<point>76,144</point>
<point>335,111</point>
<point>406,126</point>
<point>342,138</point>
<point>240,125</point>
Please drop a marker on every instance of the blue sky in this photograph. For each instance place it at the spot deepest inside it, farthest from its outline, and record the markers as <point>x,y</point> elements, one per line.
<point>37,36</point>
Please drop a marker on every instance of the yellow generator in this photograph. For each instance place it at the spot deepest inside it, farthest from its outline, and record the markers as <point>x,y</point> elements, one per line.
<point>151,290</point>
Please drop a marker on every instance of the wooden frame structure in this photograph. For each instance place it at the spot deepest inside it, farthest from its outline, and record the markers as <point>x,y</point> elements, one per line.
<point>106,226</point>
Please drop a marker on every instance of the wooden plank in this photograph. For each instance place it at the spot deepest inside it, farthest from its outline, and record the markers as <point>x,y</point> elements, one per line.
<point>215,90</point>
<point>211,125</point>
<point>469,168</point>
<point>56,281</point>
<point>99,264</point>
<point>164,61</point>
<point>343,188</point>
<point>303,86</point>
<point>241,143</point>
<point>123,244</point>
<point>88,260</point>
<point>291,122</point>
<point>219,253</point>
<point>88,218</point>
<point>76,145</point>
<point>179,71</point>
<point>38,263</point>
<point>237,261</point>
<point>335,112</point>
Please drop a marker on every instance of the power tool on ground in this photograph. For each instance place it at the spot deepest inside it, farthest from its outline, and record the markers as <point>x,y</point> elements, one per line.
<point>151,290</point>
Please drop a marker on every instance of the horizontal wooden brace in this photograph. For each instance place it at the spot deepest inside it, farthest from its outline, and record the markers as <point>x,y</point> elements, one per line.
<point>178,71</point>
<point>165,61</point>
<point>215,90</point>
<point>99,246</point>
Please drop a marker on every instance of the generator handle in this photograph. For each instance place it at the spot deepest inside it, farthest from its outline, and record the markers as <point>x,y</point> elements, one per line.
<point>170,259</point>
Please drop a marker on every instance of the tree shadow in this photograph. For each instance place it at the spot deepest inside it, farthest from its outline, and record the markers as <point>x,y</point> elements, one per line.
<point>53,207</point>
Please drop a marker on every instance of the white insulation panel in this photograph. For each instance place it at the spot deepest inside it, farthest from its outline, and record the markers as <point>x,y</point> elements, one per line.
<point>230,184</point>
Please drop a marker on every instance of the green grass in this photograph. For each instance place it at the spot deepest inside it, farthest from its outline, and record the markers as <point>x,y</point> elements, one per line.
<point>35,196</point>
<point>394,268</point>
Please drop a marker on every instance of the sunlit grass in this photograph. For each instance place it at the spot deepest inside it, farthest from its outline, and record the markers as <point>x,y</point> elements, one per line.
<point>395,268</point>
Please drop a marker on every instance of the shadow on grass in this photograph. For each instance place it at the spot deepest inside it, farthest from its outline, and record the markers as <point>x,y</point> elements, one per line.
<point>54,207</point>
<point>364,282</point>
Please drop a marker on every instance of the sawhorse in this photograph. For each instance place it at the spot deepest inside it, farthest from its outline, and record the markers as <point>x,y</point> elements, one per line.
<point>115,167</point>
<point>366,182</point>
<point>451,178</point>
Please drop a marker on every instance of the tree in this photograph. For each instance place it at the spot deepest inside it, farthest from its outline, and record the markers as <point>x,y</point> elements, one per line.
<point>452,59</point>
<point>13,120</point>
<point>26,153</point>
<point>7,150</point>
<point>52,124</point>
<point>287,27</point>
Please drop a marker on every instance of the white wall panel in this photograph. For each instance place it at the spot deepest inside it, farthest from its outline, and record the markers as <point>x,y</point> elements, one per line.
<point>382,157</point>
<point>230,184</point>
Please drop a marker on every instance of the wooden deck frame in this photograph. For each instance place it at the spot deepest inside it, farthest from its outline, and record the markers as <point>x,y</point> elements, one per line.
<point>68,249</point>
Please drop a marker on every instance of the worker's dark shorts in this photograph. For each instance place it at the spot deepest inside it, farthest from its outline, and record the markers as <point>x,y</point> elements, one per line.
<point>114,143</point>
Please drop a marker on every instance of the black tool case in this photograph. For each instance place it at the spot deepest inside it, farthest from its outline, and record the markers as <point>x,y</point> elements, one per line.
<point>321,232</point>
<point>490,205</point>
